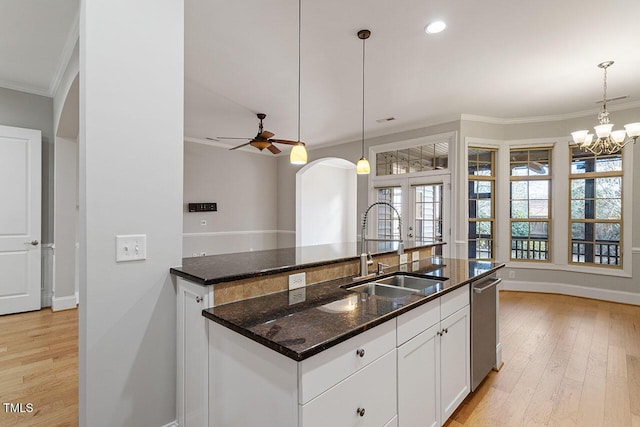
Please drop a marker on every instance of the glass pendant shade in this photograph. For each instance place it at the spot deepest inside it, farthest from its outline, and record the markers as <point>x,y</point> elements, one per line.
<point>618,136</point>
<point>633,129</point>
<point>587,140</point>
<point>363,168</point>
<point>603,130</point>
<point>579,136</point>
<point>298,155</point>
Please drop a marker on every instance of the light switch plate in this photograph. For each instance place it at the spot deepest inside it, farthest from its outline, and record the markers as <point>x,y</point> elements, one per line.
<point>132,247</point>
<point>415,256</point>
<point>297,281</point>
<point>404,258</point>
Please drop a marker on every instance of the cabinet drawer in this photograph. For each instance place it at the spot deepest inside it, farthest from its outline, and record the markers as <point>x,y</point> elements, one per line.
<point>324,370</point>
<point>413,322</point>
<point>372,389</point>
<point>454,301</point>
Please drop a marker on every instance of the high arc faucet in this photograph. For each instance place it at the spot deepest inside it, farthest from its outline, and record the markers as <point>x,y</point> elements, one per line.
<point>364,257</point>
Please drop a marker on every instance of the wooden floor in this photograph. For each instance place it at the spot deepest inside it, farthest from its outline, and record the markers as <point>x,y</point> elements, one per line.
<point>567,362</point>
<point>39,365</point>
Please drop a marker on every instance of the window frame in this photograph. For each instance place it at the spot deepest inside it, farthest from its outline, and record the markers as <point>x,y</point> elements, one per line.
<point>484,178</point>
<point>529,220</point>
<point>595,175</point>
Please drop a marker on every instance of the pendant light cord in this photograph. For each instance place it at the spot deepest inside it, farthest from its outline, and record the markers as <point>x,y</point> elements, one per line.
<point>363,42</point>
<point>299,62</point>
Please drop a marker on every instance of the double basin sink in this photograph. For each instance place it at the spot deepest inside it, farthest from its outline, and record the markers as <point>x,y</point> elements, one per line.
<point>400,285</point>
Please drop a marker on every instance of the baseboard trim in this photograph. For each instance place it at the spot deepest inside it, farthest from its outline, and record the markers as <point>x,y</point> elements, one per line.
<point>573,290</point>
<point>63,303</point>
<point>171,424</point>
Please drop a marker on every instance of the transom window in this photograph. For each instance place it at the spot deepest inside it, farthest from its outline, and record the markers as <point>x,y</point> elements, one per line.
<point>530,204</point>
<point>596,208</point>
<point>422,158</point>
<point>482,184</point>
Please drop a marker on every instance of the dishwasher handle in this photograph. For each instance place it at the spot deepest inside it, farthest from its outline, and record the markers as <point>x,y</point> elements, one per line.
<point>484,288</point>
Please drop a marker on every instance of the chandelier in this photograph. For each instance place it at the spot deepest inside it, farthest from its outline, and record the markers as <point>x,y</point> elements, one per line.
<point>608,141</point>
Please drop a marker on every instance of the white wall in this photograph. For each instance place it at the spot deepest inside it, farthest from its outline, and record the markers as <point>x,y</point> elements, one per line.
<point>131,159</point>
<point>326,197</point>
<point>244,186</point>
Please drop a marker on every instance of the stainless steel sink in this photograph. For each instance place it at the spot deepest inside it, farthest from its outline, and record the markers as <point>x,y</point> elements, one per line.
<point>382,290</point>
<point>420,284</point>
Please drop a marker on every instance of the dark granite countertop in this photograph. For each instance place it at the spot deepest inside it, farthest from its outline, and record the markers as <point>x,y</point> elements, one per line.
<point>209,270</point>
<point>306,321</point>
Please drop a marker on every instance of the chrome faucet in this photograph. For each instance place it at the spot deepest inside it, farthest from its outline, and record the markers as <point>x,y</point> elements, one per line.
<point>364,270</point>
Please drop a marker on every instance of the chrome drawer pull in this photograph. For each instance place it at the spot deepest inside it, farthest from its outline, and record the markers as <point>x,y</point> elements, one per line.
<point>360,411</point>
<point>484,288</point>
<point>360,353</point>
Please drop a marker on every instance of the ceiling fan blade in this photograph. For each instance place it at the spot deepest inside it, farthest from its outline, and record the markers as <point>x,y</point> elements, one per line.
<point>239,146</point>
<point>266,134</point>
<point>286,141</point>
<point>273,149</point>
<point>230,137</point>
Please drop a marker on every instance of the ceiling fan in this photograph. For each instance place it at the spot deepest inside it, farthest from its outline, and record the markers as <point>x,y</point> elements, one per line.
<point>262,139</point>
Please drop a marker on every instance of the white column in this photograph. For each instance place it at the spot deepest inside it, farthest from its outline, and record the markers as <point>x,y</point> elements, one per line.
<point>131,156</point>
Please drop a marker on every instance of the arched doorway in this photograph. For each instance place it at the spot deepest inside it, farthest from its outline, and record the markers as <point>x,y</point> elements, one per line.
<point>326,199</point>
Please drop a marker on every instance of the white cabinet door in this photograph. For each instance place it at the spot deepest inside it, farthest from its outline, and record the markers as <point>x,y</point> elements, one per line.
<point>193,354</point>
<point>455,358</point>
<point>366,398</point>
<point>20,187</point>
<point>419,380</point>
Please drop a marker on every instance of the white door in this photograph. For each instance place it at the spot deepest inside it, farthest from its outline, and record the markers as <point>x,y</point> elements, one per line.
<point>419,380</point>
<point>20,187</point>
<point>455,361</point>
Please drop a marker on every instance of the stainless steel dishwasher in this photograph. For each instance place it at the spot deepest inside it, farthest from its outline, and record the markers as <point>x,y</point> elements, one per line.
<point>483,328</point>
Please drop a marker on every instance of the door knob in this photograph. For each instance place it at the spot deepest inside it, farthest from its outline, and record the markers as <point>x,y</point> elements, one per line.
<point>33,242</point>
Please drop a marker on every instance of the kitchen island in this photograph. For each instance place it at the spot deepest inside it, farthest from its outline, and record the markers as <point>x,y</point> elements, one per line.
<point>288,354</point>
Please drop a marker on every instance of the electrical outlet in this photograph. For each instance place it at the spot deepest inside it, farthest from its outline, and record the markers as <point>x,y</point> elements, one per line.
<point>415,256</point>
<point>203,222</point>
<point>404,258</point>
<point>297,296</point>
<point>512,274</point>
<point>131,247</point>
<point>297,280</point>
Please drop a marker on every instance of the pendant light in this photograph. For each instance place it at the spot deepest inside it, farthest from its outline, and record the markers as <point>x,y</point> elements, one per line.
<point>363,168</point>
<point>298,154</point>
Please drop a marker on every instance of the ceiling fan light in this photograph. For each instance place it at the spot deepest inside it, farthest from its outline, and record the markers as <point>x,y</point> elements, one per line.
<point>604,130</point>
<point>633,129</point>
<point>363,167</point>
<point>618,136</point>
<point>579,136</point>
<point>298,155</point>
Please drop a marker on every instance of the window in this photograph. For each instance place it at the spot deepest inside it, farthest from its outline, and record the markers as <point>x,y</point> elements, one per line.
<point>530,204</point>
<point>428,212</point>
<point>388,224</point>
<point>596,208</point>
<point>422,158</point>
<point>482,184</point>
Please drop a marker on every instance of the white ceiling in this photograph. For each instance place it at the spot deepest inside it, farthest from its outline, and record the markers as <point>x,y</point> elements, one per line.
<point>497,58</point>
<point>37,41</point>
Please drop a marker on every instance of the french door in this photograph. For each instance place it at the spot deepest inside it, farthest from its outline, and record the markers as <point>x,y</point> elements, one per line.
<point>424,205</point>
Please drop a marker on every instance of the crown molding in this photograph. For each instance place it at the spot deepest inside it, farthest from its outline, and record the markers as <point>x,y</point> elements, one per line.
<point>24,87</point>
<point>67,51</point>
<point>550,118</point>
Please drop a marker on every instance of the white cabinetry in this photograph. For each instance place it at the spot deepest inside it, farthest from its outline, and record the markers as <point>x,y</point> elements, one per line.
<point>192,358</point>
<point>350,384</point>
<point>434,359</point>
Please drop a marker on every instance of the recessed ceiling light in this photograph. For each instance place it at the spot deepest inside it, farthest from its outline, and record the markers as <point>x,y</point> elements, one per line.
<point>435,27</point>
